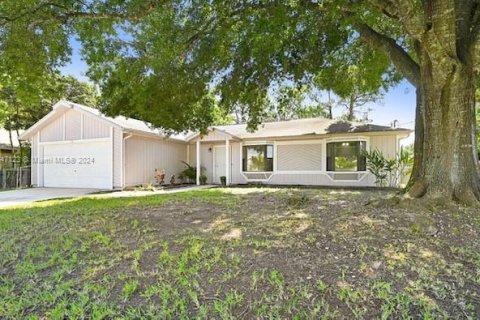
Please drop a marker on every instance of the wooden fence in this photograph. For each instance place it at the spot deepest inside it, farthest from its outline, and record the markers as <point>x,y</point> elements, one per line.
<point>14,178</point>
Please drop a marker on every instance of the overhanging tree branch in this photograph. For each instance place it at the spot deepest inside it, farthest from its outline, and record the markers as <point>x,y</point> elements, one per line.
<point>402,61</point>
<point>64,14</point>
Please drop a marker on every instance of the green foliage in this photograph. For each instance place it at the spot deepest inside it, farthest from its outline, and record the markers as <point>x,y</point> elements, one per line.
<point>20,112</point>
<point>295,103</point>
<point>136,258</point>
<point>190,173</point>
<point>389,172</point>
<point>361,75</point>
<point>203,179</point>
<point>171,63</point>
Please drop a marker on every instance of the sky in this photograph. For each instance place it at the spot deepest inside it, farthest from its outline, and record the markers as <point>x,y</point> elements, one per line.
<point>398,103</point>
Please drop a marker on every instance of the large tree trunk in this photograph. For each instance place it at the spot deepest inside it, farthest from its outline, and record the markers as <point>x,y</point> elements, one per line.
<point>446,161</point>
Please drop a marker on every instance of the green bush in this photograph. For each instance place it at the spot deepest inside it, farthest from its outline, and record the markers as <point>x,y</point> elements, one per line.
<point>389,172</point>
<point>190,173</point>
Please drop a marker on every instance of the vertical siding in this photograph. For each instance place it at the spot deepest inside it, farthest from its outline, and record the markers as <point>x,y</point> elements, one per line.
<point>41,166</point>
<point>206,158</point>
<point>237,177</point>
<point>144,155</point>
<point>54,131</point>
<point>299,157</point>
<point>34,160</point>
<point>386,144</point>
<point>213,136</point>
<point>73,122</point>
<point>94,129</point>
<point>117,158</point>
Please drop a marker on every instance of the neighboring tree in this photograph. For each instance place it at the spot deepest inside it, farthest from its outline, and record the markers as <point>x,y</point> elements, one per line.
<point>159,61</point>
<point>221,116</point>
<point>295,103</point>
<point>240,113</point>
<point>20,110</point>
<point>359,77</point>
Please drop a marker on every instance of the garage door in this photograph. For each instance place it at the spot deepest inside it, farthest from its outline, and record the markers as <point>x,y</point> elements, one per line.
<point>78,165</point>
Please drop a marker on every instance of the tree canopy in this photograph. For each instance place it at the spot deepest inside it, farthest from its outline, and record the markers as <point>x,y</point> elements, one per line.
<point>161,60</point>
<point>19,110</point>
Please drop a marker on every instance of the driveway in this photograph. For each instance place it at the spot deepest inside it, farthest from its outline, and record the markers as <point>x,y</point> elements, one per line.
<point>27,196</point>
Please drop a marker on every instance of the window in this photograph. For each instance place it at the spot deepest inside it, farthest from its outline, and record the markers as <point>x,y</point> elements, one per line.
<point>257,158</point>
<point>346,156</point>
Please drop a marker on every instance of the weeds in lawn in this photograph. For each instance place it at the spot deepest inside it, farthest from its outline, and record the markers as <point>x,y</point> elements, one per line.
<point>288,253</point>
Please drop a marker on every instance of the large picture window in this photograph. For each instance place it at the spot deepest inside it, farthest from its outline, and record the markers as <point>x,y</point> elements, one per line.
<point>257,158</point>
<point>346,156</point>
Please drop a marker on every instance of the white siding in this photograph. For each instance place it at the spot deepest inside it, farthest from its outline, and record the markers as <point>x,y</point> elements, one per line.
<point>68,126</point>
<point>318,179</point>
<point>34,161</point>
<point>54,131</point>
<point>144,155</point>
<point>206,159</point>
<point>94,128</point>
<point>299,157</point>
<point>40,169</point>
<point>73,123</point>
<point>386,144</point>
<point>237,177</point>
<point>117,158</point>
<point>214,136</point>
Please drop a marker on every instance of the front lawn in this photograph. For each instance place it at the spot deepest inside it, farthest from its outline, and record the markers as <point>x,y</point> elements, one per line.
<point>239,253</point>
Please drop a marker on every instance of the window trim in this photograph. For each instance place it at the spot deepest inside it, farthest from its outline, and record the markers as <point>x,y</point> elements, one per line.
<point>345,139</point>
<point>263,143</point>
<point>268,175</point>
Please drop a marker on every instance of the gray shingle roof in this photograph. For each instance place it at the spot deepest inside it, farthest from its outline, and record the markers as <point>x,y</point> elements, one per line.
<point>313,126</point>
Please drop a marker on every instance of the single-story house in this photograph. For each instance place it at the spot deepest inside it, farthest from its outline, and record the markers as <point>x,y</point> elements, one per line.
<point>76,146</point>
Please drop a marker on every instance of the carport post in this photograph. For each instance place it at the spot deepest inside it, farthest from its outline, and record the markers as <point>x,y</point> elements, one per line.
<point>199,172</point>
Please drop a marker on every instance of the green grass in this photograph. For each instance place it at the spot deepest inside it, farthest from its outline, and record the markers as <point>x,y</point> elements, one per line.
<point>238,253</point>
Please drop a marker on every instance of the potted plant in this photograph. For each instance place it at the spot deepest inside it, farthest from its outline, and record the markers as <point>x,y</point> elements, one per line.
<point>223,180</point>
<point>203,179</point>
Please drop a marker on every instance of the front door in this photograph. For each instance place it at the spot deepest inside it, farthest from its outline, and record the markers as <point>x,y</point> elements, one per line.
<point>219,163</point>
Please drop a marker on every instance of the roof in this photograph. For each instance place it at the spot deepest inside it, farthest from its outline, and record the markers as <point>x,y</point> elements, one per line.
<point>126,124</point>
<point>290,128</point>
<point>303,127</point>
<point>5,140</point>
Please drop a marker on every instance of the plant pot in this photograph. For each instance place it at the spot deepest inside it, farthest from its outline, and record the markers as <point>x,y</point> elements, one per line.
<point>223,180</point>
<point>203,180</point>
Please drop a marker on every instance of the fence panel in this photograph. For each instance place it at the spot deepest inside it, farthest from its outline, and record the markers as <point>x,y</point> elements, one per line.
<point>15,178</point>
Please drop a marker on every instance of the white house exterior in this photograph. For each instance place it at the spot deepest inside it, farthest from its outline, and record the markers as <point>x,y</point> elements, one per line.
<point>77,147</point>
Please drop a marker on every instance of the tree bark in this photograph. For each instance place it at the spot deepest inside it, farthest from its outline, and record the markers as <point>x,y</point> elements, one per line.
<point>446,161</point>
<point>351,109</point>
<point>416,183</point>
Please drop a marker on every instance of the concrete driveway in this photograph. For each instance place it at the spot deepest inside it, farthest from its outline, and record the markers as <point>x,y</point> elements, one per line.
<point>27,196</point>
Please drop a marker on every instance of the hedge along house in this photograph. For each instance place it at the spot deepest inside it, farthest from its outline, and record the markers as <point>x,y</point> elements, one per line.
<point>78,147</point>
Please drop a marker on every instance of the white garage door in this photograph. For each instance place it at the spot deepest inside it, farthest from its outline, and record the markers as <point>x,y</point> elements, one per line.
<point>78,165</point>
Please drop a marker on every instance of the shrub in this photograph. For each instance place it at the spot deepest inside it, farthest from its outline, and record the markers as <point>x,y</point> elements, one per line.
<point>389,172</point>
<point>190,173</point>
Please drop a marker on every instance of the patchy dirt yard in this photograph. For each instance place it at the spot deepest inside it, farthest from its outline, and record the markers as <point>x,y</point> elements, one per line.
<point>240,253</point>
